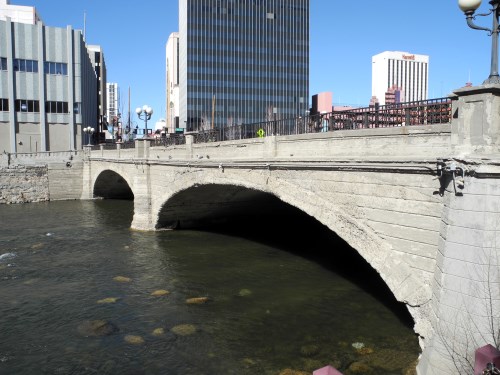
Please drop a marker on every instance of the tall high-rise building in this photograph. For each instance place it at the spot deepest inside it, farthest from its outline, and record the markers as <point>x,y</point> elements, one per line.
<point>97,57</point>
<point>172,88</point>
<point>242,61</point>
<point>409,72</point>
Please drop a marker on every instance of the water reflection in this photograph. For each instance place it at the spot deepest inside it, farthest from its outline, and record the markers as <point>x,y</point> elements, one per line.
<point>260,308</point>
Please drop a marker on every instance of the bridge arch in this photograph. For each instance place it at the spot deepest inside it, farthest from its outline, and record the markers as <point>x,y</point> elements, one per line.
<point>112,184</point>
<point>406,285</point>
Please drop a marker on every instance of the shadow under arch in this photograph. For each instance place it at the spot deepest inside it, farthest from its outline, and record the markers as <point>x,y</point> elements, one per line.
<point>111,185</point>
<point>263,217</point>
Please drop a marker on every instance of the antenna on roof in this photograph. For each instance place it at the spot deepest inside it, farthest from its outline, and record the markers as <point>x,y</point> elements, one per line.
<point>84,24</point>
<point>469,83</point>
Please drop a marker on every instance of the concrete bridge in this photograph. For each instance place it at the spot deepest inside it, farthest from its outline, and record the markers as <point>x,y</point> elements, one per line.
<point>421,204</point>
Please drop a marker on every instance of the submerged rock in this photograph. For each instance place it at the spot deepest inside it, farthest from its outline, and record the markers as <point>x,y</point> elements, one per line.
<point>7,256</point>
<point>359,368</point>
<point>196,300</point>
<point>97,328</point>
<point>160,292</point>
<point>135,340</point>
<point>391,360</point>
<point>108,300</point>
<point>289,371</point>
<point>122,279</point>
<point>358,345</point>
<point>158,332</point>
<point>244,292</point>
<point>184,329</point>
<point>309,350</point>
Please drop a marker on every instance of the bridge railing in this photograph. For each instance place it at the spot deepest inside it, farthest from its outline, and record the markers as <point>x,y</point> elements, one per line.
<point>426,112</point>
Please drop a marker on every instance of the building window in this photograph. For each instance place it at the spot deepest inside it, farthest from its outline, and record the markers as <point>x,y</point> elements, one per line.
<point>22,65</point>
<point>3,63</point>
<point>23,105</point>
<point>77,108</point>
<point>56,107</point>
<point>4,105</point>
<point>56,68</point>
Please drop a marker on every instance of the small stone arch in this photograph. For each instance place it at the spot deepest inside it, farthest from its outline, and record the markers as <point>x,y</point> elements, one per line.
<point>109,184</point>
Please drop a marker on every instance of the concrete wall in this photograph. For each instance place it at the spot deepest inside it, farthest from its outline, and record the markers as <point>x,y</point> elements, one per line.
<point>22,184</point>
<point>40,177</point>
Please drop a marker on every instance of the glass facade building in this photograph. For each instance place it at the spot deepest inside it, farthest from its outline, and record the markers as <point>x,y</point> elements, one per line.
<point>242,61</point>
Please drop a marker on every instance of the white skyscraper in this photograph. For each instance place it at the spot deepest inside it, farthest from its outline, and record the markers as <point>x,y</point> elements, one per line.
<point>409,72</point>
<point>172,74</point>
<point>112,100</point>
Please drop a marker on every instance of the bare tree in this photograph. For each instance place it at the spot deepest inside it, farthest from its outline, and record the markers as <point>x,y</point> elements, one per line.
<point>470,331</point>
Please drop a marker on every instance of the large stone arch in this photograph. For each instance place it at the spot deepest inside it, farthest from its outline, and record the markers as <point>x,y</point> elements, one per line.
<point>406,285</point>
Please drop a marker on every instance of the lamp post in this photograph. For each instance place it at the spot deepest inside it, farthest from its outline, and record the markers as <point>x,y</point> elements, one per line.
<point>469,7</point>
<point>88,131</point>
<point>144,113</point>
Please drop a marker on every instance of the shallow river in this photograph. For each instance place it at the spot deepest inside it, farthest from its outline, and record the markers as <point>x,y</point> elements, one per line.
<point>81,293</point>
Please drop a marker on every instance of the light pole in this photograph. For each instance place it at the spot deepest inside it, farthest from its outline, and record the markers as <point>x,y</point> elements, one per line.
<point>144,113</point>
<point>469,7</point>
<point>88,131</point>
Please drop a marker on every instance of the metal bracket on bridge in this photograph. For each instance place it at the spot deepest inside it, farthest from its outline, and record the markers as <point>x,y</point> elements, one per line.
<point>451,171</point>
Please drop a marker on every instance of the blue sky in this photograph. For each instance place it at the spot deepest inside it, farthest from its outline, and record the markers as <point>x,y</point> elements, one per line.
<point>344,35</point>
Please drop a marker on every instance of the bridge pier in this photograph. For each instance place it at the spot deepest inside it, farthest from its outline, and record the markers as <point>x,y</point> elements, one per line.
<point>466,286</point>
<point>87,185</point>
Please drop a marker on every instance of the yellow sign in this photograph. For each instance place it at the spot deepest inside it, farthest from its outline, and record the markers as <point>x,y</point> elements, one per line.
<point>261,133</point>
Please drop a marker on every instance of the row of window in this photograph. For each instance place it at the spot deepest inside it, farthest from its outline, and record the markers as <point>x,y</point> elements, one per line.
<point>245,96</point>
<point>234,48</point>
<point>31,66</point>
<point>223,72</point>
<point>240,60</point>
<point>199,84</point>
<point>33,106</point>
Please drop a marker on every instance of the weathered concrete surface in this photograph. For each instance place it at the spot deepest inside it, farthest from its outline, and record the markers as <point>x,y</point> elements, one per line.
<point>40,177</point>
<point>23,184</point>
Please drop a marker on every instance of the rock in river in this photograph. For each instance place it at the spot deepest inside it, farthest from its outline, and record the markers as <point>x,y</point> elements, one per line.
<point>160,292</point>
<point>184,329</point>
<point>196,300</point>
<point>97,328</point>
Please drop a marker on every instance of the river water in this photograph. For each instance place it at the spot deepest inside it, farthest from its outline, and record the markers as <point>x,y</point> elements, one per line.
<point>81,293</point>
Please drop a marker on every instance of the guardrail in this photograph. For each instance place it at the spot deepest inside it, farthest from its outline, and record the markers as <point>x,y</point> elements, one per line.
<point>426,112</point>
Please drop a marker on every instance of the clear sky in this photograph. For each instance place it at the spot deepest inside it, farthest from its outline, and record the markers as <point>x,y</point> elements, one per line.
<point>344,35</point>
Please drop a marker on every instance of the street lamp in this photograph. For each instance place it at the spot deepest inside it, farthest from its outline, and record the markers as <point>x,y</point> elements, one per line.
<point>88,131</point>
<point>145,113</point>
<point>469,7</point>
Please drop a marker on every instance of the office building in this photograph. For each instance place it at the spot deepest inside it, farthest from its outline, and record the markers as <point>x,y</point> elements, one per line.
<point>112,113</point>
<point>112,100</point>
<point>322,103</point>
<point>19,13</point>
<point>242,61</point>
<point>172,88</point>
<point>97,58</point>
<point>47,87</point>
<point>404,70</point>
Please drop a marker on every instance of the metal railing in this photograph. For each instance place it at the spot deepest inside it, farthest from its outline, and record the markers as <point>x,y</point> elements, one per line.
<point>426,112</point>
